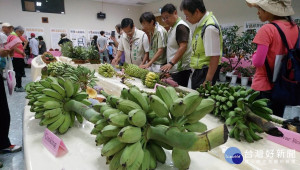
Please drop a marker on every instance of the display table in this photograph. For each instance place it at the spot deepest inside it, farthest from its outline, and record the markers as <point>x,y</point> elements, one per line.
<point>251,161</point>
<point>84,154</point>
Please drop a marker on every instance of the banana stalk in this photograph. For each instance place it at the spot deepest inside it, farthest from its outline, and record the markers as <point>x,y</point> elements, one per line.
<point>88,113</point>
<point>267,126</point>
<point>188,140</point>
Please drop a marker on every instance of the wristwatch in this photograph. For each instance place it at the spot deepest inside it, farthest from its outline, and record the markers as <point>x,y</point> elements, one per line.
<point>171,63</point>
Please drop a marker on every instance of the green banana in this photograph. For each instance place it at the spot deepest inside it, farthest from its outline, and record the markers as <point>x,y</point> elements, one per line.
<point>52,93</point>
<point>66,124</point>
<point>59,89</point>
<point>68,85</point>
<point>129,154</point>
<point>236,134</point>
<point>52,105</point>
<point>118,119</point>
<point>141,100</point>
<point>53,112</point>
<point>79,118</point>
<point>205,107</point>
<point>192,101</point>
<point>45,98</point>
<point>253,135</point>
<point>57,123</point>
<point>247,136</point>
<point>163,94</point>
<point>181,158</point>
<point>109,112</point>
<point>115,162</point>
<point>101,139</point>
<point>137,117</point>
<point>81,96</point>
<point>130,134</point>
<point>126,106</point>
<point>178,107</point>
<point>159,106</point>
<point>100,124</point>
<point>124,93</point>
<point>196,127</point>
<point>110,131</point>
<point>146,160</point>
<point>172,92</point>
<point>160,154</point>
<point>48,121</point>
<point>112,147</point>
<point>253,96</point>
<point>138,161</point>
<point>160,121</point>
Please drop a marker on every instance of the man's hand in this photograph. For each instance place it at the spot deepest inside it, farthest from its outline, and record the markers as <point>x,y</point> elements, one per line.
<point>166,67</point>
<point>145,66</point>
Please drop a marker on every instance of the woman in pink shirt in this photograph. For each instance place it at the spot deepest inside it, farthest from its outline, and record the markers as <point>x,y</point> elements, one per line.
<point>269,43</point>
<point>18,58</point>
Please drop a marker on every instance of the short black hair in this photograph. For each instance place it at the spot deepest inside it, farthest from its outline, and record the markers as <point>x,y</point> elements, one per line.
<point>127,22</point>
<point>169,8</point>
<point>193,5</point>
<point>148,17</point>
<point>40,38</point>
<point>102,32</point>
<point>118,26</point>
<point>95,37</point>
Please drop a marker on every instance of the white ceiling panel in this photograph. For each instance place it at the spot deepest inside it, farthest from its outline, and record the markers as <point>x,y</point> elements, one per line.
<point>128,2</point>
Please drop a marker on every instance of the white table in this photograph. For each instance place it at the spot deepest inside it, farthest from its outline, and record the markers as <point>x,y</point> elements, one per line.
<point>84,154</point>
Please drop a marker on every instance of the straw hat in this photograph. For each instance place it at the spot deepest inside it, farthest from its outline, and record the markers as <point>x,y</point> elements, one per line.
<point>276,7</point>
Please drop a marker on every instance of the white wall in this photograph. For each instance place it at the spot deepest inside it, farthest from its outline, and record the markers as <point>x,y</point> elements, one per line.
<point>226,11</point>
<point>80,14</point>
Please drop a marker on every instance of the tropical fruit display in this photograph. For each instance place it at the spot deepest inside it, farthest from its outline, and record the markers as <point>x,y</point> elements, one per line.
<point>239,108</point>
<point>136,128</point>
<point>79,74</point>
<point>106,70</point>
<point>52,101</point>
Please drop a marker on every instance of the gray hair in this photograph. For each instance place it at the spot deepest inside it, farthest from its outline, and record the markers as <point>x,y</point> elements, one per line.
<point>19,28</point>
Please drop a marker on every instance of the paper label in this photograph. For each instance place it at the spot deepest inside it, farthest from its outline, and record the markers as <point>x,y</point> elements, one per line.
<point>54,144</point>
<point>290,139</point>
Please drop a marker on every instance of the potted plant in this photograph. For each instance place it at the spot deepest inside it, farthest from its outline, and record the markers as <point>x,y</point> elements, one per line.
<point>224,69</point>
<point>67,49</point>
<point>47,58</point>
<point>79,56</point>
<point>234,77</point>
<point>245,74</point>
<point>93,55</point>
<point>237,46</point>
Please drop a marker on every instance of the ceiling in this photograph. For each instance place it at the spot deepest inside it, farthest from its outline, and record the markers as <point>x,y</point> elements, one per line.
<point>128,2</point>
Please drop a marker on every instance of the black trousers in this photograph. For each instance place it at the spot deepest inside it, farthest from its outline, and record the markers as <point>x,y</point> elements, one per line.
<point>4,117</point>
<point>199,77</point>
<point>278,108</point>
<point>19,65</point>
<point>182,77</point>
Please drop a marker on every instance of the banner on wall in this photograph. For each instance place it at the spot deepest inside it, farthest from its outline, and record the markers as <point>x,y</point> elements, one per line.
<point>78,37</point>
<point>92,33</point>
<point>38,31</point>
<point>253,25</point>
<point>55,36</point>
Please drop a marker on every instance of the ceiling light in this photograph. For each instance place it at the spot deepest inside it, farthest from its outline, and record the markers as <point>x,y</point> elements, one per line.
<point>38,3</point>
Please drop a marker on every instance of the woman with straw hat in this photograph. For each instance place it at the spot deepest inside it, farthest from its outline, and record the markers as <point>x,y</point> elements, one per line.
<point>270,45</point>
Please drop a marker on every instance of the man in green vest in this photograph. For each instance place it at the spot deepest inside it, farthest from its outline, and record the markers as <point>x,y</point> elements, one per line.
<point>207,42</point>
<point>178,46</point>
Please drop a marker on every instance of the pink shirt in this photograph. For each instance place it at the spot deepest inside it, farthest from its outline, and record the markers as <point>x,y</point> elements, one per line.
<point>20,46</point>
<point>268,35</point>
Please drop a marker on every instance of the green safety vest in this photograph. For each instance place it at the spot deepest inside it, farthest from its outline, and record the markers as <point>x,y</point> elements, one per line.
<point>198,58</point>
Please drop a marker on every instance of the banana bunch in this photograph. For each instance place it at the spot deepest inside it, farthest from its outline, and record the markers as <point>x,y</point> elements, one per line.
<point>151,79</point>
<point>56,69</point>
<point>47,99</point>
<point>233,105</point>
<point>106,70</point>
<point>135,71</point>
<point>136,128</point>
